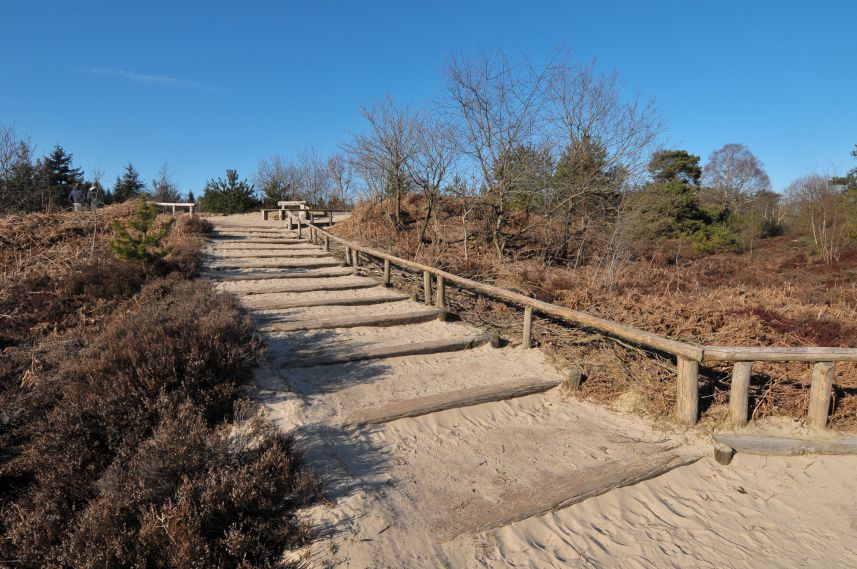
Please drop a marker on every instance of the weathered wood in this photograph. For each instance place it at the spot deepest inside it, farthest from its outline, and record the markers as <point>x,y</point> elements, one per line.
<point>313,288</point>
<point>739,394</point>
<point>452,400</point>
<point>819,394</point>
<point>395,319</point>
<point>313,265</point>
<point>810,354</point>
<point>427,286</point>
<point>320,274</point>
<point>687,395</point>
<point>440,293</point>
<point>350,301</point>
<point>583,319</point>
<point>347,255</point>
<point>387,273</point>
<point>527,338</point>
<point>307,255</point>
<point>355,258</point>
<point>574,377</point>
<point>785,446</point>
<point>263,241</point>
<point>326,243</point>
<point>380,352</point>
<point>723,453</point>
<point>558,491</point>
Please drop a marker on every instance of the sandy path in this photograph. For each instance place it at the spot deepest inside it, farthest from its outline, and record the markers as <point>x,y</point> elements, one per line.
<point>415,492</point>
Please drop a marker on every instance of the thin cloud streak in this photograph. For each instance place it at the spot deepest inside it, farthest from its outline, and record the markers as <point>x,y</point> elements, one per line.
<point>149,79</point>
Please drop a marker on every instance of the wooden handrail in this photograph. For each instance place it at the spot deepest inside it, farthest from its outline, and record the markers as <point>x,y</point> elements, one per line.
<point>688,355</point>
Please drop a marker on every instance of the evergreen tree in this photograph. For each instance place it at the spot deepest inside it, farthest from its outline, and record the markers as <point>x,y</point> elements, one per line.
<point>57,176</point>
<point>190,197</point>
<point>229,195</point>
<point>128,186</point>
<point>140,240</point>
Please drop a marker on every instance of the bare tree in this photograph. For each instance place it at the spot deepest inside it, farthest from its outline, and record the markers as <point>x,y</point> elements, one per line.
<point>279,180</point>
<point>341,176</point>
<point>163,187</point>
<point>316,182</point>
<point>605,144</point>
<point>822,210</point>
<point>496,104</point>
<point>381,154</point>
<point>434,154</point>
<point>735,176</point>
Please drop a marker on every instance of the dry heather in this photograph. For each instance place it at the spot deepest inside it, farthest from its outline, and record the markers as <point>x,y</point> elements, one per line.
<point>124,438</point>
<point>777,295</point>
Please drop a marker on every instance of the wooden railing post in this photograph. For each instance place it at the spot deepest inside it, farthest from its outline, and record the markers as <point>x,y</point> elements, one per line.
<point>387,273</point>
<point>300,229</point>
<point>326,243</point>
<point>440,293</point>
<point>347,255</point>
<point>527,340</point>
<point>355,259</point>
<point>819,394</point>
<point>739,394</point>
<point>427,286</point>
<point>687,391</point>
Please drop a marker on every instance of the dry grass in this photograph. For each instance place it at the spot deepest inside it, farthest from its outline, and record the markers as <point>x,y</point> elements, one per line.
<point>775,296</point>
<point>124,439</point>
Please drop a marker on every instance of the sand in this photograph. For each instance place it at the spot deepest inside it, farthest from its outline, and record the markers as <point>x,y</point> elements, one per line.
<point>420,491</point>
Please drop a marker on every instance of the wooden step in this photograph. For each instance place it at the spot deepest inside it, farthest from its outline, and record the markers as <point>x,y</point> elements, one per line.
<point>352,301</point>
<point>267,265</point>
<point>238,239</point>
<point>561,490</point>
<point>312,255</point>
<point>395,319</point>
<point>323,274</point>
<point>315,288</point>
<point>419,348</point>
<point>453,400</point>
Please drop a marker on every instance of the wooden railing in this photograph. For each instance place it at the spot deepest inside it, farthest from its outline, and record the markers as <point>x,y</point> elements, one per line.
<point>688,355</point>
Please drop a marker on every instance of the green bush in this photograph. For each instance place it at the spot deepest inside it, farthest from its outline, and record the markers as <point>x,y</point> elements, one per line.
<point>141,241</point>
<point>716,238</point>
<point>229,195</point>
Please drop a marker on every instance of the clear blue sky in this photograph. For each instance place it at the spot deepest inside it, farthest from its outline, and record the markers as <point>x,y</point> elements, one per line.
<point>212,85</point>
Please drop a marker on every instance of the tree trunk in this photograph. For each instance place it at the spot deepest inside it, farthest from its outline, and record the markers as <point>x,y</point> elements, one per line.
<point>430,204</point>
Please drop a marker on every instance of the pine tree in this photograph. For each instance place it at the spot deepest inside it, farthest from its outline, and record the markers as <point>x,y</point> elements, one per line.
<point>128,186</point>
<point>140,241</point>
<point>57,177</point>
<point>190,197</point>
<point>229,196</point>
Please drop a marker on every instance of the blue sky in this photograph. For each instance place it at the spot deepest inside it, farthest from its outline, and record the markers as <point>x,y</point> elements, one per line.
<point>212,85</point>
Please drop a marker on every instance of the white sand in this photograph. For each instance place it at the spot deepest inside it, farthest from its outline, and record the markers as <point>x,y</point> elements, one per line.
<point>409,493</point>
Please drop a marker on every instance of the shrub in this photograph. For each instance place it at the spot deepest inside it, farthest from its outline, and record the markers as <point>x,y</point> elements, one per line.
<point>229,195</point>
<point>141,240</point>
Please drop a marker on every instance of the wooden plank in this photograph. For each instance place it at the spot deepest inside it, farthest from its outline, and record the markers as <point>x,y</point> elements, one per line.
<point>554,492</point>
<point>819,394</point>
<point>418,348</point>
<point>331,273</point>
<point>687,396</point>
<point>739,394</point>
<point>395,319</point>
<point>353,301</point>
<point>787,446</point>
<point>310,255</point>
<point>314,288</point>
<point>453,400</point>
<point>267,265</point>
<point>271,241</point>
<point>805,354</point>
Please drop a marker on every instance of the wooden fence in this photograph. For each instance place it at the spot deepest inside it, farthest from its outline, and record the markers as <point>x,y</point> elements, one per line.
<point>688,356</point>
<point>174,205</point>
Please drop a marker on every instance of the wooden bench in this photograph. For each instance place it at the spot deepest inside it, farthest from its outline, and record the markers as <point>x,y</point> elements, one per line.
<point>281,213</point>
<point>173,206</point>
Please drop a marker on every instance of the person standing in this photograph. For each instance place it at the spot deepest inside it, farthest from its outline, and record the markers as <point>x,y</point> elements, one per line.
<point>76,197</point>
